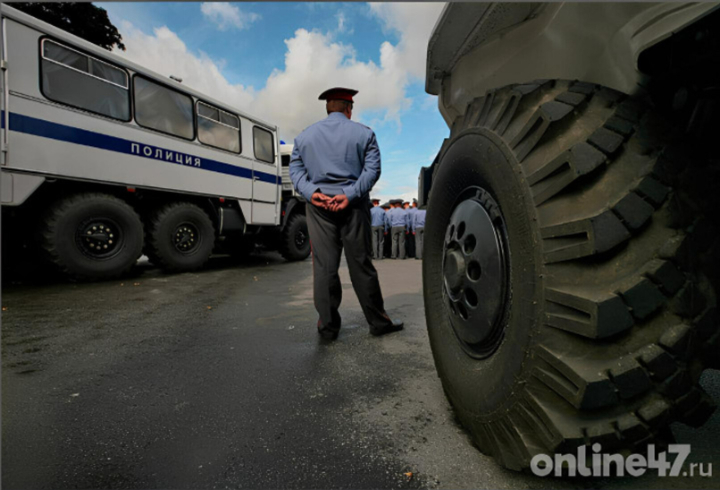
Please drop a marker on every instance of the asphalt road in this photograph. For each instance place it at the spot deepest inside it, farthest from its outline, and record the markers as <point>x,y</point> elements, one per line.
<point>216,379</point>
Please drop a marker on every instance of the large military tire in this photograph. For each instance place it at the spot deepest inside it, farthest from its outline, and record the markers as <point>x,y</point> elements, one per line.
<point>91,236</point>
<point>295,240</point>
<point>563,273</point>
<point>181,237</point>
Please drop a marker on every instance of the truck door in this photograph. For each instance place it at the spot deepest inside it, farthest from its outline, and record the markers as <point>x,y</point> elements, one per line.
<point>265,177</point>
<point>4,93</point>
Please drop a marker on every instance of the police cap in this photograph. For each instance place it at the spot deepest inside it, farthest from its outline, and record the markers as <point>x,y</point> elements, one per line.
<point>338,93</point>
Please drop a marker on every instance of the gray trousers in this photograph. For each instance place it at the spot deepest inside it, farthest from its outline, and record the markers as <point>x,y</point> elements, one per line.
<point>329,233</point>
<point>398,242</point>
<point>378,241</point>
<point>419,237</point>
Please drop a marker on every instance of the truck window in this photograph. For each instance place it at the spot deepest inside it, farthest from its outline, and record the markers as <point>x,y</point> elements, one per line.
<point>218,128</point>
<point>163,109</point>
<point>78,80</point>
<point>263,145</point>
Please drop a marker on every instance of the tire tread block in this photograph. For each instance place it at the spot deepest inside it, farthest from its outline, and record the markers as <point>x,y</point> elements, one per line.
<point>575,429</point>
<point>488,101</point>
<point>642,296</point>
<point>655,412</point>
<point>583,88</point>
<point>631,428</point>
<point>619,125</point>
<point>664,274</point>
<point>633,211</point>
<point>657,361</point>
<point>591,317</point>
<point>583,237</point>
<point>571,98</point>
<point>679,340</point>
<point>630,110</point>
<point>537,126</point>
<point>688,302</point>
<point>652,191</point>
<point>677,384</point>
<point>606,141</point>
<point>511,105</point>
<point>630,378</point>
<point>538,422</point>
<point>580,384</point>
<point>552,178</point>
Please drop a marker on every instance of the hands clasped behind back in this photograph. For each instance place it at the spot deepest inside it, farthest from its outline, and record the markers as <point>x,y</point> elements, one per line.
<point>334,204</point>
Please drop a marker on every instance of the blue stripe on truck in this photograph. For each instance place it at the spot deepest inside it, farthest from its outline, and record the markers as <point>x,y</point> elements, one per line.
<point>70,134</point>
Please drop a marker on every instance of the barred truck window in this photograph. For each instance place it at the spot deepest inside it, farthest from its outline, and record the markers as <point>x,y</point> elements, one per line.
<point>163,109</point>
<point>263,145</point>
<point>218,128</point>
<point>84,82</point>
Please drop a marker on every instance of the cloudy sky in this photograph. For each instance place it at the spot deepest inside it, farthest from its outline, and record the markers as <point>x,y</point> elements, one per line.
<point>274,59</point>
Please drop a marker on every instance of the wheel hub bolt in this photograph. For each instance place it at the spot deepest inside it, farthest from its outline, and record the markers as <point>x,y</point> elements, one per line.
<point>455,268</point>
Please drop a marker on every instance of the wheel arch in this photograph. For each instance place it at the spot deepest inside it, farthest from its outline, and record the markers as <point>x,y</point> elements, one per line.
<point>143,200</point>
<point>293,206</point>
<point>543,41</point>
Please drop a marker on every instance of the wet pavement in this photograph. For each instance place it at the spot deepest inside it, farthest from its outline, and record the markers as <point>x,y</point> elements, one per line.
<point>216,379</point>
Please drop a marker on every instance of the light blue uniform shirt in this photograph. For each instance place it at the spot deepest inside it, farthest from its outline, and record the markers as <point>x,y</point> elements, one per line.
<point>335,156</point>
<point>377,215</point>
<point>398,217</point>
<point>419,219</point>
<point>411,218</point>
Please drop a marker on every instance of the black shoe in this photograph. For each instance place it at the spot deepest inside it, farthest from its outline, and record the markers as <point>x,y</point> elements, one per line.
<point>396,326</point>
<point>328,335</point>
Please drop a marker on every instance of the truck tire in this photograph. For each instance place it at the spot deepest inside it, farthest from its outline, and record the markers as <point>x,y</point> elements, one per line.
<point>295,240</point>
<point>565,295</point>
<point>181,237</point>
<point>92,236</point>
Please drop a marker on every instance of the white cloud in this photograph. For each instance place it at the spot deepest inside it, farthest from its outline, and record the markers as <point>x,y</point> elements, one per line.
<point>341,22</point>
<point>406,193</point>
<point>314,61</point>
<point>226,15</point>
<point>165,53</point>
<point>414,22</point>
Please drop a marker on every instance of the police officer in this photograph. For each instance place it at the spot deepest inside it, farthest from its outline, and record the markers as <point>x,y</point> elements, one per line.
<point>411,209</point>
<point>419,229</point>
<point>334,164</point>
<point>387,246</point>
<point>398,228</point>
<point>377,215</point>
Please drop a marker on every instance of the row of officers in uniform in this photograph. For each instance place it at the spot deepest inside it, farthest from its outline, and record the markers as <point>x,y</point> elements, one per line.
<point>397,229</point>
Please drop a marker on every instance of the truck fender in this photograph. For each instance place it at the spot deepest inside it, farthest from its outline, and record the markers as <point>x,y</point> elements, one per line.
<point>490,45</point>
<point>293,206</point>
<point>17,187</point>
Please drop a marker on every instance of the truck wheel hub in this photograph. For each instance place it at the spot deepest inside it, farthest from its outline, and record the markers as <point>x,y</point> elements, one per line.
<point>186,238</point>
<point>475,272</point>
<point>99,238</point>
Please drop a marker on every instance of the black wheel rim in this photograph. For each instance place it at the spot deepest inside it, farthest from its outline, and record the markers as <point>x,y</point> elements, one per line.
<point>186,238</point>
<point>476,272</point>
<point>99,238</point>
<point>301,239</point>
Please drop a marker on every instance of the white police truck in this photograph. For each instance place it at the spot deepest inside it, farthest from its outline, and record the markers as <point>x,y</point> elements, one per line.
<point>104,160</point>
